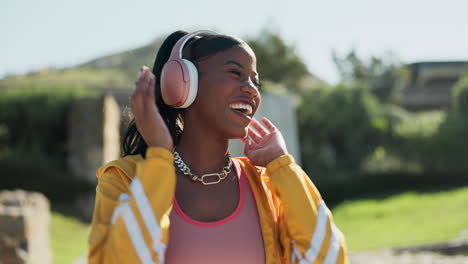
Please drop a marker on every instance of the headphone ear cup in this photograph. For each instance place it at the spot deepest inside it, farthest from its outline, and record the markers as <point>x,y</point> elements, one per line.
<point>193,83</point>
<point>179,77</point>
<point>174,87</point>
<point>177,91</point>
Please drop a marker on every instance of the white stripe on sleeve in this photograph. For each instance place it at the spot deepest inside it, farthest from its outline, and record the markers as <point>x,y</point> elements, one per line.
<point>147,214</point>
<point>319,233</point>
<point>334,248</point>
<point>134,232</point>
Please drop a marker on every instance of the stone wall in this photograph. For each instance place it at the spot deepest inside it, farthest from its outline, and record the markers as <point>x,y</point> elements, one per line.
<point>93,135</point>
<point>24,228</point>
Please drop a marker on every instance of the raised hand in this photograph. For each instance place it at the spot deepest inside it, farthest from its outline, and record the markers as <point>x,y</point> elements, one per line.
<point>263,145</point>
<point>148,120</point>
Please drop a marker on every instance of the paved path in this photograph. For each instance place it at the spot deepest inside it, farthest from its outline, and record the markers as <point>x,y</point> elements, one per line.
<point>389,257</point>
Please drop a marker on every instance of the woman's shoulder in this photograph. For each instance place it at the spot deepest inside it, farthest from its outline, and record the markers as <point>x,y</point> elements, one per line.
<point>253,172</point>
<point>246,164</point>
<point>125,166</point>
<point>259,182</point>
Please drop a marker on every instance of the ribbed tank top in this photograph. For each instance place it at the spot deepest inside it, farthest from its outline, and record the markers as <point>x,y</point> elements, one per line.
<point>234,239</point>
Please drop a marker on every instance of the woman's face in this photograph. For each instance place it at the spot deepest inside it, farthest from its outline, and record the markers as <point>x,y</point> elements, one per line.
<point>228,95</point>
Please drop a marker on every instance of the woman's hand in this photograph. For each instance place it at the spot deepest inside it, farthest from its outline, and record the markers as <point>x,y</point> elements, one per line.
<point>263,146</point>
<point>148,120</point>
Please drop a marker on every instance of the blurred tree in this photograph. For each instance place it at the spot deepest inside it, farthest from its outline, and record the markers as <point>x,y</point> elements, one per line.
<point>339,127</point>
<point>460,96</point>
<point>383,75</point>
<point>278,63</point>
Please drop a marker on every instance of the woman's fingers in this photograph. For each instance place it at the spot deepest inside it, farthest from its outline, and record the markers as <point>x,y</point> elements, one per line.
<point>143,80</point>
<point>140,96</point>
<point>140,85</point>
<point>136,98</point>
<point>146,114</point>
<point>268,124</point>
<point>249,147</point>
<point>140,73</point>
<point>263,132</point>
<point>148,83</point>
<point>246,142</point>
<point>150,88</point>
<point>253,135</point>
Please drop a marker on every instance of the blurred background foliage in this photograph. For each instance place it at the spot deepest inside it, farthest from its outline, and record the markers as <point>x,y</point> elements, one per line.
<point>33,137</point>
<point>355,136</point>
<point>460,96</point>
<point>280,66</point>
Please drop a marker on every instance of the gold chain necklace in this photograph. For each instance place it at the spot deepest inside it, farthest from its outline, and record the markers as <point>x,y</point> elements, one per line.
<point>204,178</point>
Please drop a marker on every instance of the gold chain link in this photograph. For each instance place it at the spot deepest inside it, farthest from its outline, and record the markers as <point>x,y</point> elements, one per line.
<point>179,163</point>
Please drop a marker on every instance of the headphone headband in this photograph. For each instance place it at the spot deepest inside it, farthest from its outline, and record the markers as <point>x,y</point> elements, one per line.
<point>179,46</point>
<point>179,77</point>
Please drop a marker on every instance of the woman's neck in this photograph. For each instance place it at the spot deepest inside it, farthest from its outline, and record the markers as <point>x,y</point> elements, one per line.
<point>202,150</point>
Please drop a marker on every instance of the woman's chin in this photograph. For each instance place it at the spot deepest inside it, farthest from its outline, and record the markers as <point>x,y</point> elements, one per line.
<point>238,133</point>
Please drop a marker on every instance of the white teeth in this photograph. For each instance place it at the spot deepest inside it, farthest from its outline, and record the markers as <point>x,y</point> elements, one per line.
<point>242,106</point>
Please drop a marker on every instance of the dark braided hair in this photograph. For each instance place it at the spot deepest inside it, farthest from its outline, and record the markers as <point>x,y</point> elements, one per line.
<point>195,49</point>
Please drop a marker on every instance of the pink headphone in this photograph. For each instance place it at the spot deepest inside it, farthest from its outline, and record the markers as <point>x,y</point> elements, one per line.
<point>179,77</point>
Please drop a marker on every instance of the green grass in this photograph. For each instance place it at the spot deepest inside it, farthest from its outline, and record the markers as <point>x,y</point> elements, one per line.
<point>68,238</point>
<point>408,218</point>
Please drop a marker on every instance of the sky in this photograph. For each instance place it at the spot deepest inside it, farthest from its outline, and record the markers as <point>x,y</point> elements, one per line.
<point>60,33</point>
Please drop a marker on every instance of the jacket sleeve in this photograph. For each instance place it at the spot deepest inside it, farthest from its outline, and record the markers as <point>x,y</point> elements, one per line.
<point>306,230</point>
<point>131,225</point>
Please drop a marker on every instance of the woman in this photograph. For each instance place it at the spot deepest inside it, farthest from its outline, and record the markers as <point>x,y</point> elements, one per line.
<point>209,208</point>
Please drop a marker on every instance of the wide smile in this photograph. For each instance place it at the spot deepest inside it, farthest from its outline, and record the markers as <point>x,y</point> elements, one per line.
<point>243,110</point>
<point>243,115</point>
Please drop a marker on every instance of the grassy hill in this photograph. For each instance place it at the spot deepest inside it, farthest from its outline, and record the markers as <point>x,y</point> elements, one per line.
<point>69,78</point>
<point>114,71</point>
<point>127,62</point>
<point>119,70</point>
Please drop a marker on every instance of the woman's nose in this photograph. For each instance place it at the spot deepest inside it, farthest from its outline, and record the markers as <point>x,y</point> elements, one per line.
<point>250,88</point>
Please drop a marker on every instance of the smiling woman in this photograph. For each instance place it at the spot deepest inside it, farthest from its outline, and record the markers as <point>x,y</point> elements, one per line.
<point>177,196</point>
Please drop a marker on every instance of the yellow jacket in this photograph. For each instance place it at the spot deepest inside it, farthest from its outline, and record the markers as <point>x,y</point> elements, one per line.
<point>134,199</point>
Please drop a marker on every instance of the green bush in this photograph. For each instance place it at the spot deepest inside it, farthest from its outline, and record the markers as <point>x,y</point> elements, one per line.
<point>435,140</point>
<point>414,134</point>
<point>352,145</point>
<point>36,118</point>
<point>460,95</point>
<point>33,136</point>
<point>447,150</point>
<point>339,127</point>
<point>36,171</point>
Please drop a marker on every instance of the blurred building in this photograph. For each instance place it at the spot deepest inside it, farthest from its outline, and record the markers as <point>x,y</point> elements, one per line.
<point>430,84</point>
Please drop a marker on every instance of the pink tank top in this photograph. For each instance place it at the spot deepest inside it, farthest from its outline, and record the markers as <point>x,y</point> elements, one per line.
<point>234,239</point>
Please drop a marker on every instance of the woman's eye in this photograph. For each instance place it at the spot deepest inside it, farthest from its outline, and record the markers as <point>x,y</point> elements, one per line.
<point>235,73</point>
